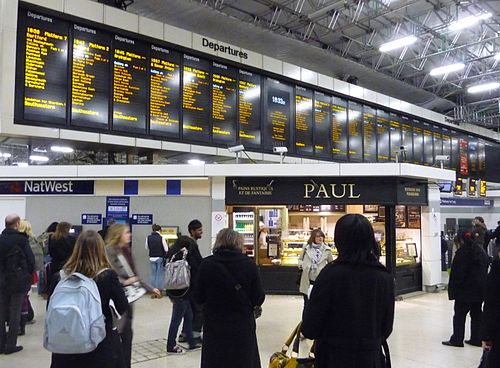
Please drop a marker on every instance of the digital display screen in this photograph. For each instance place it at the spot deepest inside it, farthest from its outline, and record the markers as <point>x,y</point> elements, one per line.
<point>438,141</point>
<point>418,143</point>
<point>463,147</point>
<point>369,134</point>
<point>90,77</point>
<point>481,159</point>
<point>447,147</point>
<point>164,90</point>
<point>224,90</point>
<point>339,129</point>
<point>322,139</point>
<point>407,138</point>
<point>428,145</point>
<point>473,155</point>
<point>395,133</point>
<point>355,132</point>
<point>383,154</point>
<point>129,85</point>
<point>303,120</point>
<point>249,112</point>
<point>45,67</point>
<point>455,151</point>
<point>278,114</point>
<point>196,99</point>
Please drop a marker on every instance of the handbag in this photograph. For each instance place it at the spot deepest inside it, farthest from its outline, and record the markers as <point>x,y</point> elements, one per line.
<point>289,359</point>
<point>177,273</point>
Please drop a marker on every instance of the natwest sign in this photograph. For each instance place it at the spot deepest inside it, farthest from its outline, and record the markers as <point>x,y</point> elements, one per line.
<point>46,187</point>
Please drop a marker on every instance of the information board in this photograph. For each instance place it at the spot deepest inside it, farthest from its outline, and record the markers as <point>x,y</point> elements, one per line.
<point>249,108</point>
<point>438,140</point>
<point>355,130</point>
<point>473,156</point>
<point>303,120</point>
<point>481,159</point>
<point>428,145</point>
<point>395,133</point>
<point>339,129</point>
<point>278,114</point>
<point>224,91</point>
<point>196,99</point>
<point>447,147</point>
<point>463,147</point>
<point>369,134</point>
<point>164,90</point>
<point>322,125</point>
<point>418,143</point>
<point>383,145</point>
<point>407,138</point>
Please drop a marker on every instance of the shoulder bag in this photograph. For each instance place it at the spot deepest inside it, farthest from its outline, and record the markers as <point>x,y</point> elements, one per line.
<point>288,358</point>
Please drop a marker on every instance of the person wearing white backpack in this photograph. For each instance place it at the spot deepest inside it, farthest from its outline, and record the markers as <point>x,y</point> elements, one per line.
<point>87,278</point>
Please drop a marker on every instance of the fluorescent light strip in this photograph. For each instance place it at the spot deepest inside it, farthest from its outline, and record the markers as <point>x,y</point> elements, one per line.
<point>196,162</point>
<point>62,149</point>
<point>468,21</point>
<point>39,158</point>
<point>397,44</point>
<point>447,69</point>
<point>483,87</point>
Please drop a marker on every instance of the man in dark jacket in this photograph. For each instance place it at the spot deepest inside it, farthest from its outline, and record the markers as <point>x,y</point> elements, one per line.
<point>17,264</point>
<point>467,286</point>
<point>479,233</point>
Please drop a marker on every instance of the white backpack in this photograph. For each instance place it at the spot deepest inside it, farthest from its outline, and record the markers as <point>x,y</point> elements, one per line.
<point>74,323</point>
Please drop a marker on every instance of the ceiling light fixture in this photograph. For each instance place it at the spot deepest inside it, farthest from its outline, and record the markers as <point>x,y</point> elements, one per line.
<point>397,44</point>
<point>38,158</point>
<point>6,155</point>
<point>468,21</point>
<point>20,164</point>
<point>62,149</point>
<point>196,162</point>
<point>483,87</point>
<point>447,69</point>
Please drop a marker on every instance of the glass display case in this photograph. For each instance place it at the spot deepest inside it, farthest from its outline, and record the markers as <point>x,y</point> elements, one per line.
<point>244,223</point>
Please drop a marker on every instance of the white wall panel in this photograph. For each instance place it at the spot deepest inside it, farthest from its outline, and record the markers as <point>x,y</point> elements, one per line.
<point>9,205</point>
<point>325,81</point>
<point>151,28</point>
<point>291,71</point>
<point>198,44</point>
<point>177,36</point>
<point>228,55</point>
<point>147,143</point>
<point>372,169</point>
<point>204,150</point>
<point>85,9</point>
<point>115,139</point>
<point>121,19</point>
<point>79,135</point>
<point>51,4</point>
<point>356,91</point>
<point>340,86</point>
<point>39,171</point>
<point>308,76</point>
<point>272,65</point>
<point>174,146</point>
<point>254,59</point>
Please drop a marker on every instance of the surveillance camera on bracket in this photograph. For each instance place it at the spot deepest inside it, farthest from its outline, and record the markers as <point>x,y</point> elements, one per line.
<point>442,158</point>
<point>280,149</point>
<point>237,148</point>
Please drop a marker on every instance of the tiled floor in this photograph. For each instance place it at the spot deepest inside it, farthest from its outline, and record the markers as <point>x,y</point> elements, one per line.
<point>422,322</point>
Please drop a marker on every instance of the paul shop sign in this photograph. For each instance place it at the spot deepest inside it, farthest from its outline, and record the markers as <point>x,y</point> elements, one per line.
<point>47,187</point>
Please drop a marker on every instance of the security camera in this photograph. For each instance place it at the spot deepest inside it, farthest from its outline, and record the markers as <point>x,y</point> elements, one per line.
<point>442,158</point>
<point>280,149</point>
<point>402,148</point>
<point>237,148</point>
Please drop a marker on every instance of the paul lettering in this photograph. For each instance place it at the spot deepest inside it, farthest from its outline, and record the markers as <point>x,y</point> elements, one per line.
<point>308,188</point>
<point>322,192</point>
<point>337,191</point>
<point>351,192</point>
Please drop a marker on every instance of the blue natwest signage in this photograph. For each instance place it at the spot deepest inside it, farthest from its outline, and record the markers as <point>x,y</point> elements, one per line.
<point>47,187</point>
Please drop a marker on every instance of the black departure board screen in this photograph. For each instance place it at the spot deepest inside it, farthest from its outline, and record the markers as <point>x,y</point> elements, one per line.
<point>473,155</point>
<point>278,114</point>
<point>196,99</point>
<point>463,146</point>
<point>303,120</point>
<point>355,132</point>
<point>383,154</point>
<point>369,134</point>
<point>447,147</point>
<point>481,159</point>
<point>322,139</point>
<point>438,140</point>
<point>249,110</point>
<point>129,85</point>
<point>90,83</point>
<point>339,129</point>
<point>418,143</point>
<point>45,40</point>
<point>224,89</point>
<point>395,133</point>
<point>164,91</point>
<point>407,138</point>
<point>455,151</point>
<point>428,145</point>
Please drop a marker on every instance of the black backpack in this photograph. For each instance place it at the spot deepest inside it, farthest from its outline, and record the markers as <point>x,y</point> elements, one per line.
<point>17,275</point>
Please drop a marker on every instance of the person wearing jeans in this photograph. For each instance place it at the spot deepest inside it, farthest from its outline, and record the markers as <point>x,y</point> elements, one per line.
<point>158,248</point>
<point>181,310</point>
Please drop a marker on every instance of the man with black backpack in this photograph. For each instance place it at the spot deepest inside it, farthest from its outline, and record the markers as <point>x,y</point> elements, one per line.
<point>17,264</point>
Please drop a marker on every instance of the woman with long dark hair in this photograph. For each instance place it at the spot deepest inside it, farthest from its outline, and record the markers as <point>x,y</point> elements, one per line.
<point>351,309</point>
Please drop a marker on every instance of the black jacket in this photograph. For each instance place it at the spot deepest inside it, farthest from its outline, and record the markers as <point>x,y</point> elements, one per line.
<point>350,312</point>
<point>469,271</point>
<point>155,245</point>
<point>60,250</point>
<point>8,239</point>
<point>229,338</point>
<point>490,323</point>
<point>193,258</point>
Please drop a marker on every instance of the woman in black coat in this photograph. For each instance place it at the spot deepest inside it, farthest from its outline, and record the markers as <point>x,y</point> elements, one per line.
<point>490,324</point>
<point>351,309</point>
<point>60,246</point>
<point>467,285</point>
<point>229,288</point>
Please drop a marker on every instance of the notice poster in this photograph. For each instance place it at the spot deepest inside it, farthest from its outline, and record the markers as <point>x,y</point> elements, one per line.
<point>447,147</point>
<point>164,91</point>
<point>90,80</point>
<point>369,134</point>
<point>196,88</point>
<point>224,88</point>
<point>303,120</point>
<point>339,129</point>
<point>278,114</point>
<point>355,130</point>
<point>45,66</point>
<point>129,85</point>
<point>322,116</point>
<point>407,138</point>
<point>395,133</point>
<point>463,156</point>
<point>428,145</point>
<point>383,154</point>
<point>249,110</point>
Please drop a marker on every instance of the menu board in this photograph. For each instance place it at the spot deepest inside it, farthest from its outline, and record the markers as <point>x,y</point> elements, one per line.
<point>438,141</point>
<point>196,99</point>
<point>164,89</point>
<point>481,159</point>
<point>428,143</point>
<point>473,155</point>
<point>447,147</point>
<point>129,85</point>
<point>369,134</point>
<point>407,138</point>
<point>278,114</point>
<point>322,140</point>
<point>463,147</point>
<point>249,108</point>
<point>90,77</point>
<point>418,143</point>
<point>383,154</point>
<point>303,120</point>
<point>224,91</point>
<point>339,129</point>
<point>355,130</point>
<point>395,133</point>
<point>45,65</point>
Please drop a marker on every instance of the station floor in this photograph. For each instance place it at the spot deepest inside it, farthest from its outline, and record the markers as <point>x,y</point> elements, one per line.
<point>422,321</point>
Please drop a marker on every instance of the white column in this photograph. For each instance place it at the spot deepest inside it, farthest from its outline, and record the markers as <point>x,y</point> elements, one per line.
<point>219,216</point>
<point>431,241</point>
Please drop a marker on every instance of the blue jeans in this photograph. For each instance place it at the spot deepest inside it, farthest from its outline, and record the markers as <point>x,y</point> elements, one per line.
<point>181,309</point>
<point>157,274</point>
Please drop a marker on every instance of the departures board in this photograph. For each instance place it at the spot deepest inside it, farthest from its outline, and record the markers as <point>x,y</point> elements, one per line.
<point>81,75</point>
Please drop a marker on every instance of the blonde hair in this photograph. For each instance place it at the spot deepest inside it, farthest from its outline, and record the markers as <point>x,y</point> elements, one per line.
<point>62,230</point>
<point>114,234</point>
<point>25,227</point>
<point>228,239</point>
<point>89,255</point>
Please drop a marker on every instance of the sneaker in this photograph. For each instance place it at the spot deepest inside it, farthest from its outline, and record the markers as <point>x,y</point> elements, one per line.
<point>177,350</point>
